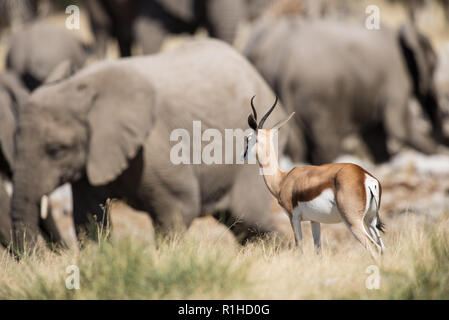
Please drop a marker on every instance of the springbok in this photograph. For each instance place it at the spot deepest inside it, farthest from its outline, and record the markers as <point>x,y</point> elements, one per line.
<point>330,193</point>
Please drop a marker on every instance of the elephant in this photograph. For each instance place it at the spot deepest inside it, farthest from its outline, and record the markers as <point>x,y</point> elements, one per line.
<point>344,79</point>
<point>5,221</point>
<point>107,130</point>
<point>255,8</point>
<point>12,96</point>
<point>148,22</point>
<point>15,14</point>
<point>442,79</point>
<point>38,49</point>
<point>315,9</point>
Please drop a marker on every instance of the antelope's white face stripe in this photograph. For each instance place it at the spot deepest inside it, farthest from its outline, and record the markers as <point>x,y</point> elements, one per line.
<point>249,148</point>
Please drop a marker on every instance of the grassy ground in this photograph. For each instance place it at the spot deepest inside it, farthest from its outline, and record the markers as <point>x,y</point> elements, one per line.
<point>415,266</point>
<point>206,262</point>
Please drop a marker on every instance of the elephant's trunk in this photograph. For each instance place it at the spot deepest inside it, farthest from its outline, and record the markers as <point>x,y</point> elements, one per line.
<point>25,207</point>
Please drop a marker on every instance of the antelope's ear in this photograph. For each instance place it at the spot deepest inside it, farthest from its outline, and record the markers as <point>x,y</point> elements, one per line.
<point>279,125</point>
<point>252,122</point>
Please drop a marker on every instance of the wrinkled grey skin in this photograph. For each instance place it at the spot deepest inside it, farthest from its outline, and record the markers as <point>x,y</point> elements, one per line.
<point>106,130</point>
<point>344,79</point>
<point>14,14</point>
<point>113,18</point>
<point>5,221</point>
<point>38,49</point>
<point>13,95</point>
<point>255,8</point>
<point>442,79</point>
<point>148,22</point>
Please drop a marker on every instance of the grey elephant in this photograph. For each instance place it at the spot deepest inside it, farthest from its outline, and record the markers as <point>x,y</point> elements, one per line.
<point>107,130</point>
<point>12,96</point>
<point>38,49</point>
<point>442,80</point>
<point>255,8</point>
<point>147,23</point>
<point>15,14</point>
<point>343,79</point>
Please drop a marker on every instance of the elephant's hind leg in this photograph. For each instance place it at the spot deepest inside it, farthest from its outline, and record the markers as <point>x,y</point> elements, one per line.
<point>172,205</point>
<point>251,209</point>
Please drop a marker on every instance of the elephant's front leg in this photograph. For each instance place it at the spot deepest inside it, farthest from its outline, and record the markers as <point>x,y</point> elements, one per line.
<point>223,17</point>
<point>88,215</point>
<point>399,124</point>
<point>149,34</point>
<point>172,201</point>
<point>326,135</point>
<point>50,230</point>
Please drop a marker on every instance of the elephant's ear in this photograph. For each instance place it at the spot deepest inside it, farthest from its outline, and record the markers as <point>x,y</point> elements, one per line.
<point>7,126</point>
<point>12,96</point>
<point>120,118</point>
<point>62,71</point>
<point>419,57</point>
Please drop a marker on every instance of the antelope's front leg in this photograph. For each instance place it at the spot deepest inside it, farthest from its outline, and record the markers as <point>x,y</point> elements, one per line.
<point>316,233</point>
<point>296,223</point>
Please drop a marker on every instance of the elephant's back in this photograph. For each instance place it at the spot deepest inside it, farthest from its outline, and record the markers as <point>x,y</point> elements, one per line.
<point>39,49</point>
<point>331,60</point>
<point>341,48</point>
<point>208,79</point>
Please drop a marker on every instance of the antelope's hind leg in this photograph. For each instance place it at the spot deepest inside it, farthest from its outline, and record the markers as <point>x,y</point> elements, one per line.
<point>296,224</point>
<point>360,233</point>
<point>352,206</point>
<point>376,235</point>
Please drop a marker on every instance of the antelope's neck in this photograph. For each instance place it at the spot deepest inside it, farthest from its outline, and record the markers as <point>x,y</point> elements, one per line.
<point>268,162</point>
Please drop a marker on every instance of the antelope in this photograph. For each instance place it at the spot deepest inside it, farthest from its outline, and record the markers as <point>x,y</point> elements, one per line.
<point>329,193</point>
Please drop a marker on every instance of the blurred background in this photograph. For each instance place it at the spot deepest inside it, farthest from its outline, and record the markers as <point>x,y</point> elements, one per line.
<point>35,37</point>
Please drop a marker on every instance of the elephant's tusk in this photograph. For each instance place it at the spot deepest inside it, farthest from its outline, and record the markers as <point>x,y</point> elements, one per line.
<point>44,207</point>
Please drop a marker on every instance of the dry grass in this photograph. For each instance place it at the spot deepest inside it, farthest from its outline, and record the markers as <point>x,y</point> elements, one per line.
<point>200,265</point>
<point>207,263</point>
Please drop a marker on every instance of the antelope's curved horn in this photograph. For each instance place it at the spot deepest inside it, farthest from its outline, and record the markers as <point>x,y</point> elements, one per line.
<point>254,109</point>
<point>267,114</point>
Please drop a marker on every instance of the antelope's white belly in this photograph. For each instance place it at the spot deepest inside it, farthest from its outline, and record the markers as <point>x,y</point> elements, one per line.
<point>322,209</point>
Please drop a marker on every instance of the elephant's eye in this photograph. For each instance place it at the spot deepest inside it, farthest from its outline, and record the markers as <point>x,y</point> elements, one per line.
<point>57,150</point>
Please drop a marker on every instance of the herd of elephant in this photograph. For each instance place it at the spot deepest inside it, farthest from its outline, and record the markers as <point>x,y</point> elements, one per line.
<point>104,127</point>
